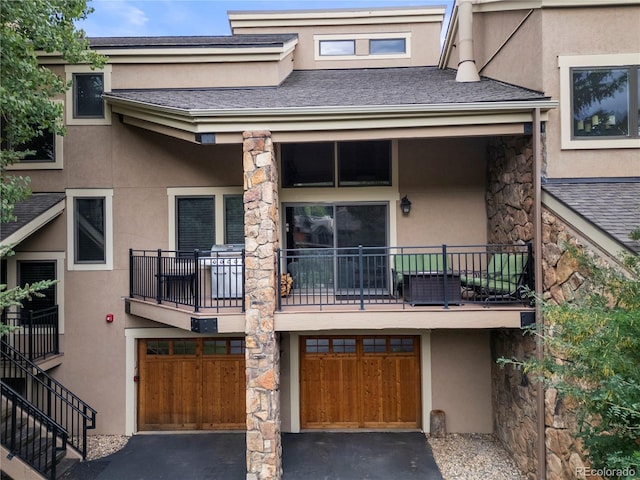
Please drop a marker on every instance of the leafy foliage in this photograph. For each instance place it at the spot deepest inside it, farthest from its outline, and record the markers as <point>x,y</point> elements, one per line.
<point>592,357</point>
<point>28,29</point>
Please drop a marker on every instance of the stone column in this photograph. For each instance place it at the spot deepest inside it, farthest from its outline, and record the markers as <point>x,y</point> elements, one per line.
<point>264,450</point>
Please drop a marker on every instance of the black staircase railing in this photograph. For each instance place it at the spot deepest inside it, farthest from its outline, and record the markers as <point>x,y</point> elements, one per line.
<point>36,333</point>
<point>29,434</point>
<point>50,396</point>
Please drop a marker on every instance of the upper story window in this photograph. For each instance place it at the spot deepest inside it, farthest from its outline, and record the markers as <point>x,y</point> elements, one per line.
<point>327,164</point>
<point>599,106</point>
<point>337,47</point>
<point>201,217</point>
<point>90,229</point>
<point>605,102</point>
<point>195,222</point>
<point>87,95</point>
<point>46,151</point>
<point>362,46</point>
<point>84,103</point>
<point>387,46</point>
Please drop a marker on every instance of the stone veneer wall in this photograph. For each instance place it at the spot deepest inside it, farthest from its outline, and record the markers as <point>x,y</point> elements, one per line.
<point>563,282</point>
<point>510,210</point>
<point>264,449</point>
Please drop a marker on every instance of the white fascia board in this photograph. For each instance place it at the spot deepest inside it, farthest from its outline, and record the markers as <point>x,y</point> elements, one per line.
<point>355,16</point>
<point>344,110</point>
<point>332,118</point>
<point>35,224</point>
<point>505,5</point>
<point>185,55</point>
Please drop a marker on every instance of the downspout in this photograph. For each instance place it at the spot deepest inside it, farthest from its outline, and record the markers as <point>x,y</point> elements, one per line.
<point>467,70</point>
<point>537,240</point>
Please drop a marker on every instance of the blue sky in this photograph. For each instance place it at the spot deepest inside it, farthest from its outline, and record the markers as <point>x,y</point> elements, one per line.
<point>115,18</point>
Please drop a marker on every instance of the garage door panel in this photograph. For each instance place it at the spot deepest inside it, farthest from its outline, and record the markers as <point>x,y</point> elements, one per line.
<point>223,392</point>
<point>327,385</point>
<point>180,388</point>
<point>377,386</point>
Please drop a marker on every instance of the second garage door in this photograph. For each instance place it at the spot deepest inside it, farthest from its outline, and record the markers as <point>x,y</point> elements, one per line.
<point>360,382</point>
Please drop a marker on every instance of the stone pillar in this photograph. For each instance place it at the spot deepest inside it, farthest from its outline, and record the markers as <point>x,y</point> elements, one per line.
<point>264,450</point>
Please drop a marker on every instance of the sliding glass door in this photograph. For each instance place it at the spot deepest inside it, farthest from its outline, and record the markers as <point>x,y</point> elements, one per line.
<point>339,229</point>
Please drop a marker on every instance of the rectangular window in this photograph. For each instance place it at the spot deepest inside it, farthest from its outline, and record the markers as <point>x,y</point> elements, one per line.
<point>90,229</point>
<point>234,219</point>
<point>387,46</point>
<point>43,147</point>
<point>31,271</point>
<point>359,163</point>
<point>195,222</point>
<point>308,164</point>
<point>604,102</point>
<point>329,48</point>
<point>364,163</point>
<point>87,95</point>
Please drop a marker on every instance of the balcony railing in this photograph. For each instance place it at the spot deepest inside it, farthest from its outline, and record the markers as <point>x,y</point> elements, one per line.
<point>442,275</point>
<point>36,335</point>
<point>196,279</point>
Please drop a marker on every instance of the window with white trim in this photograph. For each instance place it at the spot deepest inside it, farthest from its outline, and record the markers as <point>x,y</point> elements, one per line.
<point>84,103</point>
<point>337,47</point>
<point>201,217</point>
<point>604,102</point>
<point>90,229</point>
<point>362,46</point>
<point>599,101</point>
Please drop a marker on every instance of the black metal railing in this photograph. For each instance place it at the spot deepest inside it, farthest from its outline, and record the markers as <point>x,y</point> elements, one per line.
<point>36,334</point>
<point>48,395</point>
<point>421,275</point>
<point>197,279</point>
<point>30,434</point>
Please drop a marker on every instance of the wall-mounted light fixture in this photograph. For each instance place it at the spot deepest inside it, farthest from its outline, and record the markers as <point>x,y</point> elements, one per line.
<point>405,205</point>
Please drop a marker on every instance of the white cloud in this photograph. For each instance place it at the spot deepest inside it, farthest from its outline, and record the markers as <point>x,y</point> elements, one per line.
<point>115,18</point>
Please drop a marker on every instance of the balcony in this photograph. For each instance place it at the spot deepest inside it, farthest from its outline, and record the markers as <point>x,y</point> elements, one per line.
<point>359,278</point>
<point>36,333</point>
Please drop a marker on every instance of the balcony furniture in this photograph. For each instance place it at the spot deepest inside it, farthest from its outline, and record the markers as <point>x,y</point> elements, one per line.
<point>178,285</point>
<point>431,288</point>
<point>413,263</point>
<point>502,279</point>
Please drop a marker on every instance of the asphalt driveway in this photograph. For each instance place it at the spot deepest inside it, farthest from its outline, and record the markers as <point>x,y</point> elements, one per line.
<point>306,456</point>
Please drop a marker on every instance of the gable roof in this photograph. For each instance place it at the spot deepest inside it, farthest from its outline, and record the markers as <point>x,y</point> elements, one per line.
<point>338,88</point>
<point>32,214</point>
<point>611,204</point>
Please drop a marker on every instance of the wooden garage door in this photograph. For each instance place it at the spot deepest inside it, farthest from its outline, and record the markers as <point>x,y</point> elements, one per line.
<point>360,382</point>
<point>191,384</point>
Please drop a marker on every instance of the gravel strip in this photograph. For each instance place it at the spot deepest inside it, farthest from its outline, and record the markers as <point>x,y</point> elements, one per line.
<point>99,446</point>
<point>473,457</point>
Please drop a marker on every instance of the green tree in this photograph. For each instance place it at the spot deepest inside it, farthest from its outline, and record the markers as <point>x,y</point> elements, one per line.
<point>592,357</point>
<point>27,90</point>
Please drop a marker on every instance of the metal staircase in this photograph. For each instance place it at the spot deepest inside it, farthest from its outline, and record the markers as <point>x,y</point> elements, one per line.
<point>40,417</point>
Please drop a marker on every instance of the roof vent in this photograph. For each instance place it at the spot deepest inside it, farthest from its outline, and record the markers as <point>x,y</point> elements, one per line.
<point>467,71</point>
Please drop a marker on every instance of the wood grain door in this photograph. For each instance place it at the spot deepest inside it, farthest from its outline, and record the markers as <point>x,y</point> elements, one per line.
<point>191,384</point>
<point>360,382</point>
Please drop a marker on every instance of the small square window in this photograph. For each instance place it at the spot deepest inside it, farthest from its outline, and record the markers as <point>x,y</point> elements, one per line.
<point>157,347</point>
<point>87,95</point>
<point>375,345</point>
<point>387,46</point>
<point>184,347</point>
<point>317,345</point>
<point>307,164</point>
<point>364,163</point>
<point>329,48</point>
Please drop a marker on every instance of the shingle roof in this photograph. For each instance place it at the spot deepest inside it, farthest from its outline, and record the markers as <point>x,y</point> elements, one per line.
<point>613,205</point>
<point>238,41</point>
<point>349,87</point>
<point>28,210</point>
